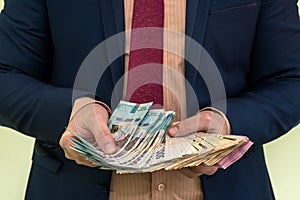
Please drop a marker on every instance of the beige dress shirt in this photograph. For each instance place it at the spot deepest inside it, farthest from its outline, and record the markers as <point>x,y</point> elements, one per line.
<point>162,185</point>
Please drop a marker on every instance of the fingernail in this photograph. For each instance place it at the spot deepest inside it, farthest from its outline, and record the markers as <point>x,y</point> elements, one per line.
<point>173,131</point>
<point>109,148</point>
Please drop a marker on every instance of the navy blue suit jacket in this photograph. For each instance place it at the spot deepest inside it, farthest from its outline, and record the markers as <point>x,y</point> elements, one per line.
<point>255,44</point>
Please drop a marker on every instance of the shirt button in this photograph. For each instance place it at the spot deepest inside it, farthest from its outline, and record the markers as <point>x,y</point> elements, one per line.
<point>161,187</point>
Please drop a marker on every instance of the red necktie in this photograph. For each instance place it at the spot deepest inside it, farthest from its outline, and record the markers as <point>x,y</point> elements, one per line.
<point>145,65</point>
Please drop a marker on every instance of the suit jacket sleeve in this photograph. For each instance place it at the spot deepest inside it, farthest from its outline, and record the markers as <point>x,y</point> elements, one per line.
<point>270,107</point>
<point>27,102</point>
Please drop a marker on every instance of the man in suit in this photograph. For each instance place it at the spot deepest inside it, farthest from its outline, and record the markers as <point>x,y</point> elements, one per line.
<point>254,43</point>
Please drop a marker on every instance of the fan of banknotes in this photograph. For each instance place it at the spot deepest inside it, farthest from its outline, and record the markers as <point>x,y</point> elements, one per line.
<point>143,145</point>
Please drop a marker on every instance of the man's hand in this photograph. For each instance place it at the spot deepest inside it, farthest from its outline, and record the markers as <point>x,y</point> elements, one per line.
<point>204,121</point>
<point>89,120</point>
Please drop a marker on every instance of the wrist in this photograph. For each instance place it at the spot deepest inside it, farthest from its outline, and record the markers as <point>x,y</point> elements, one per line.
<point>226,121</point>
<point>83,102</point>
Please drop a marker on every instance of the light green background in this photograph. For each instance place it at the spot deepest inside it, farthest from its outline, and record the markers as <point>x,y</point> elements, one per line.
<point>15,152</point>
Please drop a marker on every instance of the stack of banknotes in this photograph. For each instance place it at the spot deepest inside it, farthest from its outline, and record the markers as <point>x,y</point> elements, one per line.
<point>143,145</point>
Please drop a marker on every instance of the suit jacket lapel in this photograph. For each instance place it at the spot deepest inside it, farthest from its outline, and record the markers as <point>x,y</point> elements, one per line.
<point>118,13</point>
<point>191,13</point>
<point>196,20</point>
<point>112,12</point>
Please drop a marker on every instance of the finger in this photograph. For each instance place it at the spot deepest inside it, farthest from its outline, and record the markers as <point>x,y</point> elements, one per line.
<point>63,140</point>
<point>78,158</point>
<point>66,145</point>
<point>204,169</point>
<point>185,127</point>
<point>190,173</point>
<point>205,121</point>
<point>85,163</point>
<point>81,160</point>
<point>68,155</point>
<point>193,172</point>
<point>95,126</point>
<point>103,136</point>
<point>212,122</point>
